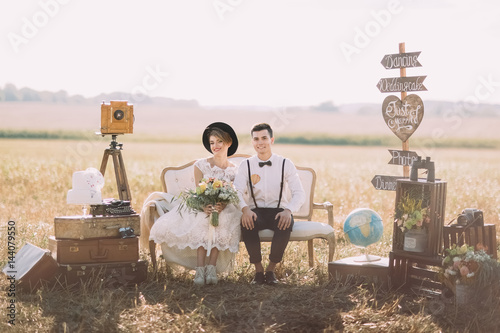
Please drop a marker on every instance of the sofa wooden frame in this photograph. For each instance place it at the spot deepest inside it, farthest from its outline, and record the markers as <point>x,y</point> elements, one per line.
<point>175,179</point>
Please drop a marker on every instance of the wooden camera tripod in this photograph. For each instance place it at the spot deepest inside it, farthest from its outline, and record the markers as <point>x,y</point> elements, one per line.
<point>115,150</point>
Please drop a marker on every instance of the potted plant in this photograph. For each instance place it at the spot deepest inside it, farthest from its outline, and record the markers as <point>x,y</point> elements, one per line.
<point>469,273</point>
<point>413,220</point>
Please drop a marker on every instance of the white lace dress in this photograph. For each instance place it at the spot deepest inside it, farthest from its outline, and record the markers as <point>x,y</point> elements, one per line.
<point>181,233</point>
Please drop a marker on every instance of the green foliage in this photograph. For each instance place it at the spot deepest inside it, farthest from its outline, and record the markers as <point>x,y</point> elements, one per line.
<point>383,140</point>
<point>42,135</point>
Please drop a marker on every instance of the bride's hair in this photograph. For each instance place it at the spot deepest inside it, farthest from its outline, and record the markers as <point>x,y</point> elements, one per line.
<point>218,133</point>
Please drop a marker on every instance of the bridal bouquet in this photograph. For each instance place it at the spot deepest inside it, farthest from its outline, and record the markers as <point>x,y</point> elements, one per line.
<point>210,192</point>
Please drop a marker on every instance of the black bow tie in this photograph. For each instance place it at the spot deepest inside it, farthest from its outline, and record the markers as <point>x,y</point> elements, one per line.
<point>261,164</point>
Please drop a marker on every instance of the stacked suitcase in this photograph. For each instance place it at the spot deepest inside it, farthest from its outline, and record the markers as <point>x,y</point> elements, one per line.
<point>104,247</point>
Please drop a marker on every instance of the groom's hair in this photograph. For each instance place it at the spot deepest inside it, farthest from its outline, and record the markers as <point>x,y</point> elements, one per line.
<point>261,127</point>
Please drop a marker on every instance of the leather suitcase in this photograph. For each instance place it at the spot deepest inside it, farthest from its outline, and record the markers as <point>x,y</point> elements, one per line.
<point>88,227</point>
<point>31,266</point>
<point>72,251</point>
<point>111,274</point>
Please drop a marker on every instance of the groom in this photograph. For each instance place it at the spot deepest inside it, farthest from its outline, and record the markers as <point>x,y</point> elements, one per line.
<point>266,177</point>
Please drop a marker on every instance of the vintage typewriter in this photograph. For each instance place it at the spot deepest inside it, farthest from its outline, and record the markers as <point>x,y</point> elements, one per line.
<point>110,207</point>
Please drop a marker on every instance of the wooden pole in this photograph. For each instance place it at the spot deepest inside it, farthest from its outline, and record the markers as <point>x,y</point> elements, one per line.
<point>406,144</point>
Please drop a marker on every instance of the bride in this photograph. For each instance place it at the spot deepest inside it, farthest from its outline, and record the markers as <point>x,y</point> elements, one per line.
<point>187,238</point>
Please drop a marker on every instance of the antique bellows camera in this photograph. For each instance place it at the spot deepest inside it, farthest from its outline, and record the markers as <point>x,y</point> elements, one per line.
<point>471,216</point>
<point>117,117</point>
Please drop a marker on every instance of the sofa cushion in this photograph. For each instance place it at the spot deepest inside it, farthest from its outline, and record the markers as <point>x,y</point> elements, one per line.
<point>302,230</point>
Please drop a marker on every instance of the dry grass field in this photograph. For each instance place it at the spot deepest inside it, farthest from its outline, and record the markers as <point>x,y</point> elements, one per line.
<point>35,176</point>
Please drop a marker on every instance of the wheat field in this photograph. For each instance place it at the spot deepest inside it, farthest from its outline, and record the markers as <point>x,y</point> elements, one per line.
<point>36,175</point>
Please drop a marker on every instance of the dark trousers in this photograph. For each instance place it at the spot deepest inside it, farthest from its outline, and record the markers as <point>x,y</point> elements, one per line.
<point>265,220</point>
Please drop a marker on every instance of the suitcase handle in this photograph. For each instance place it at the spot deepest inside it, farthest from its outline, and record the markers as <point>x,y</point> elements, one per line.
<point>104,256</point>
<point>112,227</point>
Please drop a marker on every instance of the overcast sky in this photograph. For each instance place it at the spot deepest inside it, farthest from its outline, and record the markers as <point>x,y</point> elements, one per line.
<point>242,52</point>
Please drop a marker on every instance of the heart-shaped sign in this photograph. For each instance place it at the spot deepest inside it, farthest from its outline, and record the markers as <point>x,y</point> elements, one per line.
<point>403,117</point>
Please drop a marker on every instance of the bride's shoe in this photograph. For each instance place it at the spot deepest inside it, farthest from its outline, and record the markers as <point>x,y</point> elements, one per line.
<point>199,277</point>
<point>210,274</point>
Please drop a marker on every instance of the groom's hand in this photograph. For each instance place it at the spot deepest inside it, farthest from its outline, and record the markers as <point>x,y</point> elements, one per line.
<point>248,218</point>
<point>284,219</point>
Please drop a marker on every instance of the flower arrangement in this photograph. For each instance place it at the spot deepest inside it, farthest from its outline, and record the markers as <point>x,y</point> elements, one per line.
<point>464,265</point>
<point>410,214</point>
<point>210,192</point>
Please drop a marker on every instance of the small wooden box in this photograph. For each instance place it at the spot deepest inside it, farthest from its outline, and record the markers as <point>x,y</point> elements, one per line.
<point>376,271</point>
<point>415,272</point>
<point>459,234</point>
<point>433,195</point>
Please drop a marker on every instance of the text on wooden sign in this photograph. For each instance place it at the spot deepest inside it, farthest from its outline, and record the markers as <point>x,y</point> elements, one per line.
<point>403,116</point>
<point>396,84</point>
<point>385,183</point>
<point>401,60</point>
<point>402,157</point>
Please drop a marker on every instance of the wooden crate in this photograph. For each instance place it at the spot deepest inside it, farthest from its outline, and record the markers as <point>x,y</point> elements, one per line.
<point>485,235</point>
<point>433,195</point>
<point>376,272</point>
<point>414,272</point>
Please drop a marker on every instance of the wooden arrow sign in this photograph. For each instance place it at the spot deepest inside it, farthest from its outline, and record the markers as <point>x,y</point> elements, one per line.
<point>401,60</point>
<point>402,157</point>
<point>395,84</point>
<point>385,183</point>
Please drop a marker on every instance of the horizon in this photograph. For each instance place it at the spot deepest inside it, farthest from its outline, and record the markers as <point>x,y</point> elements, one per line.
<point>264,107</point>
<point>272,53</point>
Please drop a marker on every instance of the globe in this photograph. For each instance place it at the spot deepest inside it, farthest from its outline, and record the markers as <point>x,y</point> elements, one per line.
<point>364,227</point>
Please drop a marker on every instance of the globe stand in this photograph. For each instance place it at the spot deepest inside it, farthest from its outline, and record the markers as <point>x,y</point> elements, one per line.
<point>366,257</point>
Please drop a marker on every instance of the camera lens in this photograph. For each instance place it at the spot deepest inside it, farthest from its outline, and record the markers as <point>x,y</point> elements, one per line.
<point>118,114</point>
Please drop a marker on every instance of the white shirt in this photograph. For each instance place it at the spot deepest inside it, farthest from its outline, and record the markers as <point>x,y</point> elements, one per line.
<point>266,184</point>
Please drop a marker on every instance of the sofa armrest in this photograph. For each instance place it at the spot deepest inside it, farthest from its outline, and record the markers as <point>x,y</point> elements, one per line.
<point>328,206</point>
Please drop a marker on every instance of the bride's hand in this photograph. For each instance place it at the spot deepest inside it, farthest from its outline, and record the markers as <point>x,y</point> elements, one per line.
<point>208,209</point>
<point>219,207</point>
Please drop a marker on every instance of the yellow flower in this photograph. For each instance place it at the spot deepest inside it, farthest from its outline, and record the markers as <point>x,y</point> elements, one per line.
<point>201,188</point>
<point>217,183</point>
<point>462,249</point>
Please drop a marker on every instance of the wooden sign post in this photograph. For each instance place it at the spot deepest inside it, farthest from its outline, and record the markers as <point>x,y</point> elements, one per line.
<point>406,143</point>
<point>402,116</point>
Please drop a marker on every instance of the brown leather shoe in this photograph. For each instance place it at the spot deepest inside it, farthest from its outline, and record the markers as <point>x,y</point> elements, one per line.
<point>271,278</point>
<point>259,278</point>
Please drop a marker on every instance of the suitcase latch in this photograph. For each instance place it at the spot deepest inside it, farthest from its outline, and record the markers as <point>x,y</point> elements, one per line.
<point>122,247</point>
<point>74,249</point>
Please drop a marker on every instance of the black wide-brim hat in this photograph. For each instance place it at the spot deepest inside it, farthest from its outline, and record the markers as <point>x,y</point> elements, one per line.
<point>226,128</point>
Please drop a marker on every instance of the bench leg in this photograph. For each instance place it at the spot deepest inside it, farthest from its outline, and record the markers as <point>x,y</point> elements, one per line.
<point>310,251</point>
<point>152,252</point>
